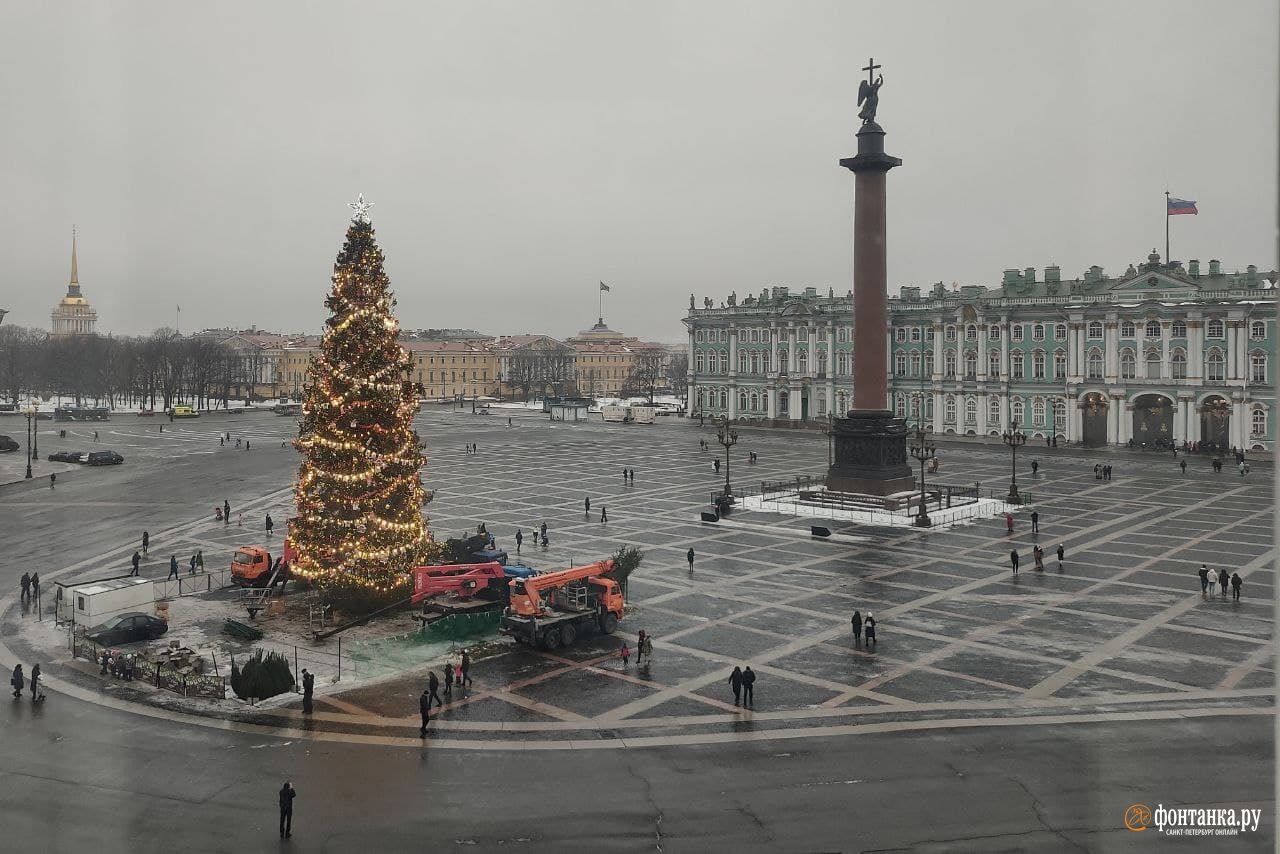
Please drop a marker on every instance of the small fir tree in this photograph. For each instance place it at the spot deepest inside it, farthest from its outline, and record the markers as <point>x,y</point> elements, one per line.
<point>359,526</point>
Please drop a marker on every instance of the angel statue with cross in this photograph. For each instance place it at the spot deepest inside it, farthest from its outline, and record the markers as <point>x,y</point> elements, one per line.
<point>869,93</point>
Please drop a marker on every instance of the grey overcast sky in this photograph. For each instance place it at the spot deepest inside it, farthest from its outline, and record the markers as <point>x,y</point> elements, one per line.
<point>518,153</point>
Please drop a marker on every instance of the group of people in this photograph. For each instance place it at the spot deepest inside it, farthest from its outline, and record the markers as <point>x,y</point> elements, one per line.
<point>537,532</point>
<point>470,449</point>
<point>586,513</point>
<point>30,584</point>
<point>743,683</point>
<point>863,627</point>
<point>1102,472</point>
<point>455,672</point>
<point>121,665</point>
<point>644,650</point>
<point>629,476</point>
<point>1037,555</point>
<point>17,681</point>
<point>1208,578</point>
<point>223,441</point>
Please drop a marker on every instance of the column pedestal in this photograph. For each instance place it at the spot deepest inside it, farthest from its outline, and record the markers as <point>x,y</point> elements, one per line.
<point>870,454</point>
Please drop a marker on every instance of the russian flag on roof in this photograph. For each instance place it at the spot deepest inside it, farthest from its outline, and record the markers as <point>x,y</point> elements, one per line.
<point>1181,206</point>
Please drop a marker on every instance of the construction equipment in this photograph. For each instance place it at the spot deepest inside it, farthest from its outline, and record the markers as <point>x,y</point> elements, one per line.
<point>464,580</point>
<point>554,609</point>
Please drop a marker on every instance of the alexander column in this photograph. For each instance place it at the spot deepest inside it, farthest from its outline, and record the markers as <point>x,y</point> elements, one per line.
<point>870,443</point>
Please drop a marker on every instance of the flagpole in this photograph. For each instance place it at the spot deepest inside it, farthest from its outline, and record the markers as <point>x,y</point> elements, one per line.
<point>1167,259</point>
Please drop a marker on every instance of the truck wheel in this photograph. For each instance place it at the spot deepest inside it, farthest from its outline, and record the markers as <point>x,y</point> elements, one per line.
<point>608,623</point>
<point>568,635</point>
<point>551,640</point>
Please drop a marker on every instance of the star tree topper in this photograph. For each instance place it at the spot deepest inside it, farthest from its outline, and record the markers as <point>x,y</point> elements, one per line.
<point>361,208</point>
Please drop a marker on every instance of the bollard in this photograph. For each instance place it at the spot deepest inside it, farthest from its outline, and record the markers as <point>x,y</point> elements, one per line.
<point>339,659</point>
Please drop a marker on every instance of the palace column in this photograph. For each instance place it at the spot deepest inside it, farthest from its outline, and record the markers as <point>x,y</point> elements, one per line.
<point>870,444</point>
<point>1166,344</point>
<point>690,379</point>
<point>982,352</point>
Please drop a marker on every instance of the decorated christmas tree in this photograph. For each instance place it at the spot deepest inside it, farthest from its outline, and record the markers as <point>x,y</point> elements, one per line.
<point>359,526</point>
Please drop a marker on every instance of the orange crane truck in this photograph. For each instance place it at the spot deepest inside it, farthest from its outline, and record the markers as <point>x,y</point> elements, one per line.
<point>554,609</point>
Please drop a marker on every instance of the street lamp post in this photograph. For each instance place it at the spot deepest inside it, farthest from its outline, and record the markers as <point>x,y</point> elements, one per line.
<point>1014,440</point>
<point>728,437</point>
<point>30,413</point>
<point>922,451</point>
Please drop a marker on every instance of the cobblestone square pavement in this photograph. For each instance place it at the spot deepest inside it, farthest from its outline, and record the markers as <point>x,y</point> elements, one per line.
<point>1118,630</point>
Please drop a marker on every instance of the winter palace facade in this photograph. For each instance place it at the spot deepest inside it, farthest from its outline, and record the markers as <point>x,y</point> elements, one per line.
<point>1157,355</point>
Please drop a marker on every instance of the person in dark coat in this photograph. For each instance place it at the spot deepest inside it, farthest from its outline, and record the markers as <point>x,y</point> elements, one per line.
<point>146,541</point>
<point>1223,581</point>
<point>35,683</point>
<point>137,559</point>
<point>519,539</point>
<point>424,709</point>
<point>1013,559</point>
<point>448,679</point>
<point>870,628</point>
<point>857,628</point>
<point>1035,521</point>
<point>35,586</point>
<point>25,582</point>
<point>226,512</point>
<point>308,690</point>
<point>287,794</point>
<point>735,682</point>
<point>748,687</point>
<point>173,567</point>
<point>689,557</point>
<point>270,524</point>
<point>586,506</point>
<point>433,687</point>
<point>604,515</point>
<point>1204,580</point>
<point>1235,586</point>
<point>466,669</point>
<point>1061,552</point>
<point>1183,466</point>
<point>16,681</point>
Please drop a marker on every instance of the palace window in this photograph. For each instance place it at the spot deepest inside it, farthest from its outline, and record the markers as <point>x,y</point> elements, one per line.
<point>1153,364</point>
<point>1015,366</point>
<point>1128,330</point>
<point>842,364</point>
<point>1037,332</point>
<point>1037,412</point>
<point>1258,422</point>
<point>742,401</point>
<point>1178,365</point>
<point>970,365</point>
<point>1215,329</point>
<point>1094,331</point>
<point>1152,329</point>
<point>928,333</point>
<point>1016,330</point>
<point>1094,366</point>
<point>900,363</point>
<point>993,332</point>
<point>802,361</point>
<point>1037,365</point>
<point>1059,364</point>
<point>915,334</point>
<point>915,407</point>
<point>842,335</point>
<point>743,362</point>
<point>1257,330</point>
<point>697,364</point>
<point>899,406</point>
<point>971,333</point>
<point>993,412</point>
<point>951,333</point>
<point>971,410</point>
<point>1257,367</point>
<point>802,334</point>
<point>915,363</point>
<point>900,334</point>
<point>1216,366</point>
<point>1060,331</point>
<point>822,362</point>
<point>724,361</point>
<point>951,409</point>
<point>697,336</point>
<point>1128,365</point>
<point>949,360</point>
<point>755,402</point>
<point>1016,412</point>
<point>782,361</point>
<point>1178,329</point>
<point>1059,415</point>
<point>993,363</point>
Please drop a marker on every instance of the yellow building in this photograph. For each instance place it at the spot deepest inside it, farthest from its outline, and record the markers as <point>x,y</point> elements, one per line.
<point>451,369</point>
<point>73,314</point>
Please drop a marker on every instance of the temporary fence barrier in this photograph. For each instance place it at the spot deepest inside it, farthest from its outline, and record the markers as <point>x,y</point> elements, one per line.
<point>158,673</point>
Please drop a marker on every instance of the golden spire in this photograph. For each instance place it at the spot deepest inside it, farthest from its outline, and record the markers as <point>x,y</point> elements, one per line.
<point>75,275</point>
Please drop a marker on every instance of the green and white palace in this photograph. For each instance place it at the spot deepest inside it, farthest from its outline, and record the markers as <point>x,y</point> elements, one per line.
<point>1157,355</point>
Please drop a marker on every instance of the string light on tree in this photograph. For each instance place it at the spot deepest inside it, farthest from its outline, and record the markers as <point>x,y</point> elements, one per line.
<point>359,494</point>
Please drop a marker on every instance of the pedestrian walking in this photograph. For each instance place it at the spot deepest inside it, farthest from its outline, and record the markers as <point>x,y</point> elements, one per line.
<point>1223,581</point>
<point>424,709</point>
<point>624,475</point>
<point>226,512</point>
<point>1097,471</point>
<point>1182,464</point>
<point>1008,523</point>
<point>715,465</point>
<point>1204,579</point>
<point>137,559</point>
<point>36,696</point>
<point>1013,559</point>
<point>246,444</point>
<point>191,565</point>
<point>200,559</point>
<point>240,519</point>
<point>1037,554</point>
<point>146,541</point>
<point>448,678</point>
<point>749,687</point>
<point>25,583</point>
<point>433,687</point>
<point>735,682</point>
<point>457,675</point>
<point>604,515</point>
<point>1212,578</point>
<point>222,443</point>
<point>270,524</point>
<point>308,690</point>
<point>173,567</point>
<point>586,506</point>
<point>519,540</point>
<point>869,627</point>
<point>53,478</point>
<point>640,645</point>
<point>35,587</point>
<point>16,681</point>
<point>633,477</point>
<point>1235,586</point>
<point>466,668</point>
<point>1035,467</point>
<point>287,794</point>
<point>95,435</point>
<point>689,557</point>
<point>1061,554</point>
<point>625,655</point>
<point>856,622</point>
<point>1035,521</point>
<point>646,650</point>
<point>544,533</point>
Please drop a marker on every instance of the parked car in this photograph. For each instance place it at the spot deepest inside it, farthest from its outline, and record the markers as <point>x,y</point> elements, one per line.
<point>67,457</point>
<point>7,444</point>
<point>103,458</point>
<point>143,413</point>
<point>127,628</point>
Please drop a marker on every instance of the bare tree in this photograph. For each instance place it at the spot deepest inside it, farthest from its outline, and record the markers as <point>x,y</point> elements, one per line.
<point>678,376</point>
<point>523,371</point>
<point>646,372</point>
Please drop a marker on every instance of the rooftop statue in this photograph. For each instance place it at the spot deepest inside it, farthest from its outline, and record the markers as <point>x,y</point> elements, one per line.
<point>869,93</point>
